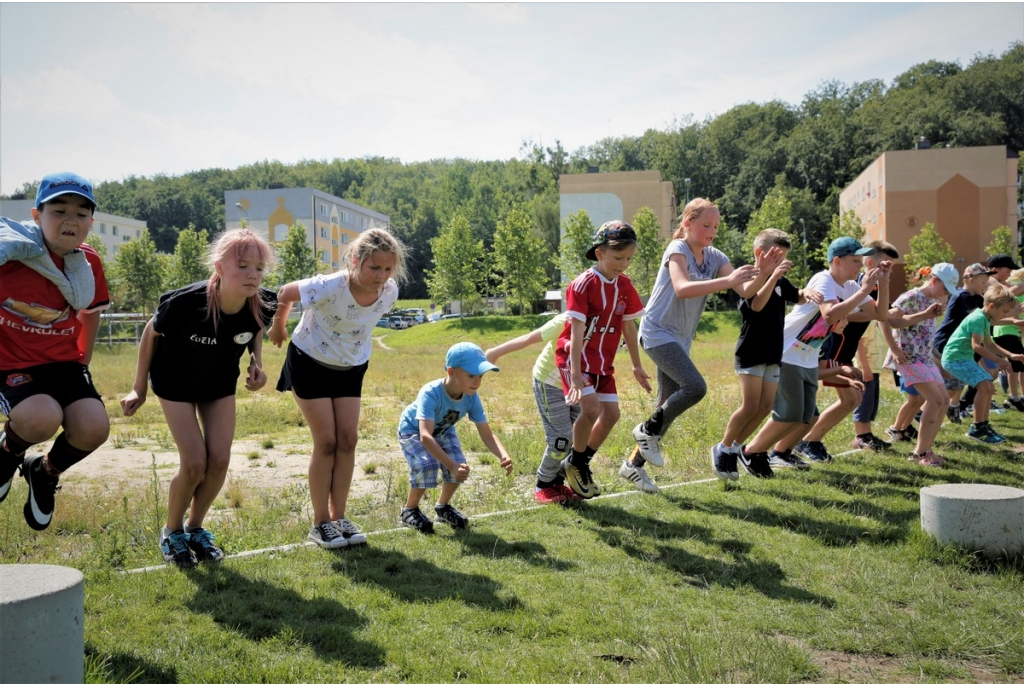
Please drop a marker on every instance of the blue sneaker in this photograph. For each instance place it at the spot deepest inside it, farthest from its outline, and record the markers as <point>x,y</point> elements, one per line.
<point>200,541</point>
<point>176,550</point>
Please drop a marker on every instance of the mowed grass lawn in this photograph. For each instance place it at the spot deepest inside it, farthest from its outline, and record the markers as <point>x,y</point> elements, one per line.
<point>819,576</point>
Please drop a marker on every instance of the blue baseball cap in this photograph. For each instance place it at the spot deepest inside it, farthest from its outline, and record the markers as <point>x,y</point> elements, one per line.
<point>63,183</point>
<point>846,246</point>
<point>468,357</point>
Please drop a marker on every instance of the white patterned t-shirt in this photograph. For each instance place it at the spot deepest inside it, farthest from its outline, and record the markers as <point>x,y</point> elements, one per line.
<point>334,328</point>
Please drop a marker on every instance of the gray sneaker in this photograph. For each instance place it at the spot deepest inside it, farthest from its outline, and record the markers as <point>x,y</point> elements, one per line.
<point>349,531</point>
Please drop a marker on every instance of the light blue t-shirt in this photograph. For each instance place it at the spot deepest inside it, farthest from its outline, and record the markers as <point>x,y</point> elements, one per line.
<point>434,403</point>
<point>672,319</point>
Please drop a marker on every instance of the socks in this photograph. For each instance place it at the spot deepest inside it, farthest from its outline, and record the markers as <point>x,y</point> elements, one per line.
<point>63,455</point>
<point>732,449</point>
<point>652,426</point>
<point>14,444</point>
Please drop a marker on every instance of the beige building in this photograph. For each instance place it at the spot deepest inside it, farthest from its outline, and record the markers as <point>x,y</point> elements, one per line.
<point>113,230</point>
<point>965,192</point>
<point>618,195</point>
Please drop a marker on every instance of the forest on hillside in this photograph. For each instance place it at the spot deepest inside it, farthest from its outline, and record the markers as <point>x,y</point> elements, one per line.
<point>806,153</point>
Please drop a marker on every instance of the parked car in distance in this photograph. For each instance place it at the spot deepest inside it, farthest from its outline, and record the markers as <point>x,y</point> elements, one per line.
<point>450,316</point>
<point>383,323</point>
<point>435,317</point>
<point>410,321</point>
<point>397,323</point>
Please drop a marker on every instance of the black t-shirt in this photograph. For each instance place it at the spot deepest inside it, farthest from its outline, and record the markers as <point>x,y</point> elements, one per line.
<point>191,361</point>
<point>957,309</point>
<point>842,347</point>
<point>760,340</point>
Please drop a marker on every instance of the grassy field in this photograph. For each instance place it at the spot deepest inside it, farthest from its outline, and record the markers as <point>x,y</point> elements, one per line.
<point>820,576</point>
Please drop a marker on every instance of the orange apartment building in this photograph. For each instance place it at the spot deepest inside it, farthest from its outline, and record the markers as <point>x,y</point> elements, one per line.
<point>965,192</point>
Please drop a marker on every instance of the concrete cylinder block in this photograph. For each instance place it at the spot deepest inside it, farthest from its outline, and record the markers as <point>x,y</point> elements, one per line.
<point>985,518</point>
<point>42,624</point>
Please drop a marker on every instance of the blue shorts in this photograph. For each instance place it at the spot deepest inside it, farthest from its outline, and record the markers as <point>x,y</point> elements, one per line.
<point>968,371</point>
<point>423,467</point>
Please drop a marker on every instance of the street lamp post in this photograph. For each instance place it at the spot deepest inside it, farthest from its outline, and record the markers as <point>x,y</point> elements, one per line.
<point>239,207</point>
<point>687,182</point>
<point>804,226</point>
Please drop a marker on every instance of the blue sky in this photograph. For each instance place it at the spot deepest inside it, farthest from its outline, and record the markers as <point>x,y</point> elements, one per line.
<point>113,90</point>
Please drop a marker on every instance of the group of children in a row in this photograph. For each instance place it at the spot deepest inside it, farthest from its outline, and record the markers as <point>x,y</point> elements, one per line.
<point>52,289</point>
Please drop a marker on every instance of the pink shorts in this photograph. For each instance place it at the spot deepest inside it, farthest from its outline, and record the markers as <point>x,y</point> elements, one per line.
<point>919,372</point>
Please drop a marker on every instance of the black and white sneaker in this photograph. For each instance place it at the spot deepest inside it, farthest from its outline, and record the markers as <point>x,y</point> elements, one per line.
<point>813,451</point>
<point>327,536</point>
<point>200,541</point>
<point>953,414</point>
<point>350,531</point>
<point>41,489</point>
<point>414,518</point>
<point>756,464</point>
<point>718,465</point>
<point>787,460</point>
<point>650,445</point>
<point>446,513</point>
<point>176,551</point>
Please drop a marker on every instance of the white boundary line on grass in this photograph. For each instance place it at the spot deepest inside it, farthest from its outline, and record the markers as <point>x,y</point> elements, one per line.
<point>310,543</point>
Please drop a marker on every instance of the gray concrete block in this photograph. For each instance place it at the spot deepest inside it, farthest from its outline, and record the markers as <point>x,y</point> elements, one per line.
<point>985,518</point>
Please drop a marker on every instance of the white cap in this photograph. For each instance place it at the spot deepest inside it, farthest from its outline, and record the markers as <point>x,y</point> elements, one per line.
<point>947,273</point>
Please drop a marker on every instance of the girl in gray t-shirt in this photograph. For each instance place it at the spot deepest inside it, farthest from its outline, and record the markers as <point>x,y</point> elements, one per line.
<point>691,269</point>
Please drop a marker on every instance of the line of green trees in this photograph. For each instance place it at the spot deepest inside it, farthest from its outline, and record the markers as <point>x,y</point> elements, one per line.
<point>770,163</point>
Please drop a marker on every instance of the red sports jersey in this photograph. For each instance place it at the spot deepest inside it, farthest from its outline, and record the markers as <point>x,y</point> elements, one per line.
<point>602,305</point>
<point>37,325</point>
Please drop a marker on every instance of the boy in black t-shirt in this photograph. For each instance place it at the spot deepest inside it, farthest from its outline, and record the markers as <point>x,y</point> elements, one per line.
<point>759,347</point>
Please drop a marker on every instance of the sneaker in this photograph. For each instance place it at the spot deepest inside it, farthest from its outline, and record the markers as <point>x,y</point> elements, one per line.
<point>41,489</point>
<point>910,432</point>
<point>953,414</point>
<point>8,468</point>
<point>929,458</point>
<point>349,531</point>
<point>200,541</point>
<point>580,479</point>
<point>446,513</point>
<point>984,434</point>
<point>756,463</point>
<point>776,461</point>
<point>650,445</point>
<point>967,411</point>
<point>1017,403</point>
<point>638,476</point>
<point>552,495</point>
<point>414,518</point>
<point>897,435</point>
<point>788,459</point>
<point>176,550</point>
<point>871,442</point>
<point>327,536</point>
<point>719,462</point>
<point>813,451</point>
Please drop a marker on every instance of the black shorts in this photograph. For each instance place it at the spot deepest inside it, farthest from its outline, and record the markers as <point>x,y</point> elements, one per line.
<point>311,380</point>
<point>1012,343</point>
<point>65,382</point>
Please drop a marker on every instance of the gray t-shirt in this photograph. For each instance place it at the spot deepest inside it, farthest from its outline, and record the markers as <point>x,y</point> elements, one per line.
<point>670,318</point>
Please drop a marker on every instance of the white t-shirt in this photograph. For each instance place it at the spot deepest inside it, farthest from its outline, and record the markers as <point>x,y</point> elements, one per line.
<point>334,328</point>
<point>806,329</point>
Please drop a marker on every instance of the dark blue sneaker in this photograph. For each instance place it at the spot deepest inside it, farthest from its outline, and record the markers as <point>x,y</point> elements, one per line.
<point>446,513</point>
<point>813,451</point>
<point>176,550</point>
<point>41,489</point>
<point>200,541</point>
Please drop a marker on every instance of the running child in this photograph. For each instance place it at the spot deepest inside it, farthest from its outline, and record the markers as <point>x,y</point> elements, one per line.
<point>556,416</point>
<point>52,290</point>
<point>806,328</point>
<point>190,351</point>
<point>912,316</point>
<point>326,361</point>
<point>601,305</point>
<point>1008,336</point>
<point>972,337</point>
<point>690,270</point>
<point>426,432</point>
<point>759,347</point>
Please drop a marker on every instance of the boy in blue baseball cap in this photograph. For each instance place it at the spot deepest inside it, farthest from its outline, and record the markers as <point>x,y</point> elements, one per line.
<point>427,435</point>
<point>52,290</point>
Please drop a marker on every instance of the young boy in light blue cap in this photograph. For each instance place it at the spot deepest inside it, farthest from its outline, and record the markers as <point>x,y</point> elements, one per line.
<point>427,435</point>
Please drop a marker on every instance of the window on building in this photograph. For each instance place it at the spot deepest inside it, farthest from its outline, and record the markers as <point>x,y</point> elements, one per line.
<point>344,238</point>
<point>113,230</point>
<point>125,239</point>
<point>103,229</point>
<point>323,209</point>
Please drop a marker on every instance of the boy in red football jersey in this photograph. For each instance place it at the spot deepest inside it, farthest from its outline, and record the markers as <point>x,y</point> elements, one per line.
<point>52,290</point>
<point>601,304</point>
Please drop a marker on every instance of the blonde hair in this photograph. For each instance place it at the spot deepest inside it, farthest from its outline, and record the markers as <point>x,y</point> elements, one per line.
<point>693,209</point>
<point>772,237</point>
<point>999,295</point>
<point>376,240</point>
<point>233,244</point>
<point>1016,276</point>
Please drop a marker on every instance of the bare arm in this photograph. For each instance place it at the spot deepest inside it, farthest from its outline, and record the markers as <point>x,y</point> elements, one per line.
<point>87,336</point>
<point>728,278</point>
<point>514,345</point>
<point>897,319</point>
<point>137,397</point>
<point>863,361</point>
<point>286,297</point>
<point>460,471</point>
<point>575,361</point>
<point>495,446</point>
<point>256,378</point>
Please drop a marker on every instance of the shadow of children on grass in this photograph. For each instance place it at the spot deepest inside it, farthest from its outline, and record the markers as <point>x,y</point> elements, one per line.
<point>655,541</point>
<point>417,580</point>
<point>489,545</point>
<point>260,610</point>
